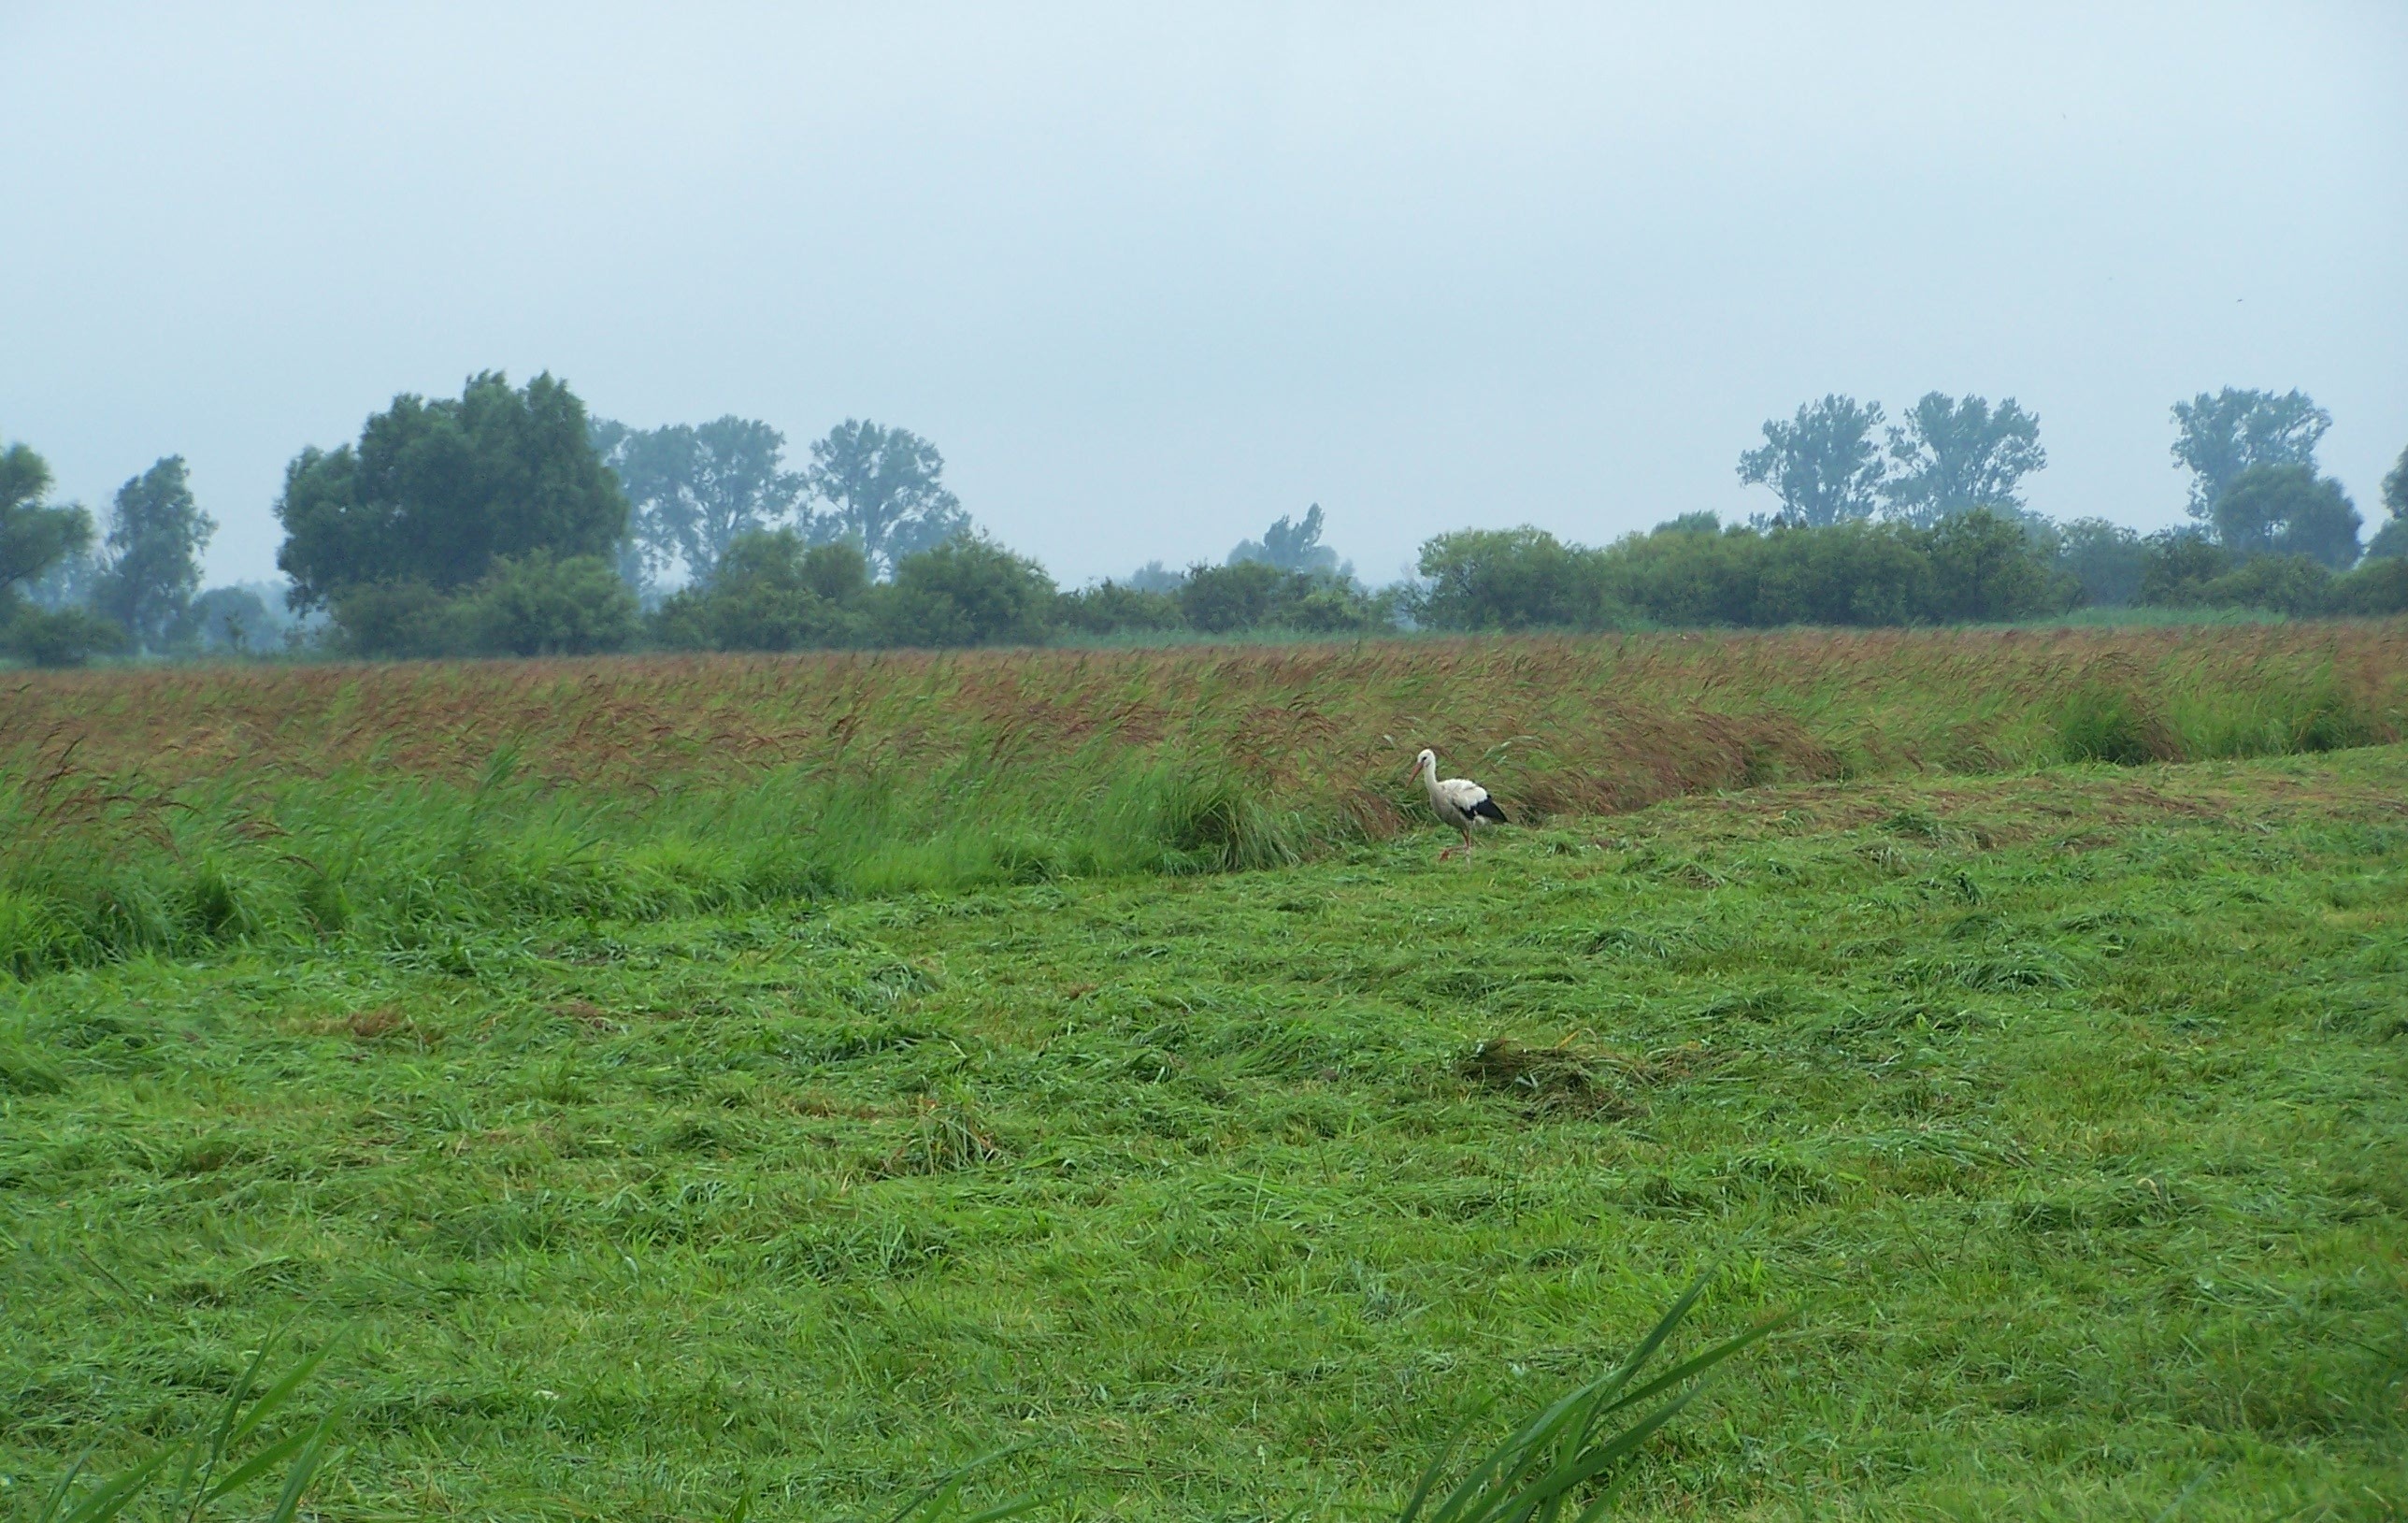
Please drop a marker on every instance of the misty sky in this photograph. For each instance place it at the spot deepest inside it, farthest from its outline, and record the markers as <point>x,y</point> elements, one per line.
<point>1150,278</point>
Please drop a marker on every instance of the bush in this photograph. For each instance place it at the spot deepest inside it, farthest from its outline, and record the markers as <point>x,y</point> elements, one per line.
<point>967,591</point>
<point>536,605</point>
<point>1513,579</point>
<point>2104,559</point>
<point>1986,565</point>
<point>63,638</point>
<point>401,619</point>
<point>540,605</point>
<point>1111,606</point>
<point>771,592</point>
<point>2176,563</point>
<point>1969,565</point>
<point>2288,584</point>
<point>2376,587</point>
<point>232,619</point>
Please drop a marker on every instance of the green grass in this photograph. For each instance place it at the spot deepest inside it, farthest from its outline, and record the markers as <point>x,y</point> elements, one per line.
<point>180,812</point>
<point>2065,1106</point>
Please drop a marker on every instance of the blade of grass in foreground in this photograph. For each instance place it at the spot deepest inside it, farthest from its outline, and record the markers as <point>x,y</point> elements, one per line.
<point>200,1483</point>
<point>1537,1472</point>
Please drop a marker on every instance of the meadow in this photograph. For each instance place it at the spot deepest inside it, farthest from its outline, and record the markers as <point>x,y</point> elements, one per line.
<point>681,1080</point>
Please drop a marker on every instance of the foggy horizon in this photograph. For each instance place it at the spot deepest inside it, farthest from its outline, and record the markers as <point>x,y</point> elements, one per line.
<point>1152,282</point>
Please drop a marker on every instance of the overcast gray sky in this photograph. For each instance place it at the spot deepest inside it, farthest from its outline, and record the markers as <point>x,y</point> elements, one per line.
<point>1150,277</point>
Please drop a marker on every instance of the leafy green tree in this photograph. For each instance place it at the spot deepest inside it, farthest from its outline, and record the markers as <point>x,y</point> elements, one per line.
<point>695,488</point>
<point>771,592</point>
<point>435,493</point>
<point>2218,436</point>
<point>1110,607</point>
<point>232,621</point>
<point>34,533</point>
<point>1847,573</point>
<point>2391,540</point>
<point>2177,563</point>
<point>66,637</point>
<point>1985,566</point>
<point>2377,587</point>
<point>1823,465</point>
<point>1700,522</point>
<point>2103,558</point>
<point>36,539</point>
<point>396,620</point>
<point>1290,546</point>
<point>884,488</point>
<point>1510,579</point>
<point>1953,456</point>
<point>1257,595</point>
<point>2288,510</point>
<point>2295,585</point>
<point>542,604</point>
<point>965,591</point>
<point>156,534</point>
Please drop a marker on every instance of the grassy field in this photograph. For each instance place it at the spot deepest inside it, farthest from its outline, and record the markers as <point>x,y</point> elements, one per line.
<point>2064,1101</point>
<point>180,811</point>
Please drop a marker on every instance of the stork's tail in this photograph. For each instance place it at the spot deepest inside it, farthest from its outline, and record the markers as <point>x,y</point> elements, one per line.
<point>1486,809</point>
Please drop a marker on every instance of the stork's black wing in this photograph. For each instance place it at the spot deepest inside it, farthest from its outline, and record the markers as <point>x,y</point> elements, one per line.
<point>1486,809</point>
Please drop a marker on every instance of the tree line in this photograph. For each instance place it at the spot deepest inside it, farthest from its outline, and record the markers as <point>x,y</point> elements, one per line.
<point>507,520</point>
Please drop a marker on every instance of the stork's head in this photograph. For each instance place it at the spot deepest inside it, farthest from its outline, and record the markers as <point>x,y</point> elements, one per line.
<point>1425,762</point>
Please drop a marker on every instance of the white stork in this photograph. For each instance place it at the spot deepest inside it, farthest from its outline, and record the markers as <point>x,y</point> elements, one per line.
<point>1459,801</point>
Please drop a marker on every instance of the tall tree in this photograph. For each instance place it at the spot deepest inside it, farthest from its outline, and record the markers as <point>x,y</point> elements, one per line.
<point>156,534</point>
<point>437,491</point>
<point>1954,456</point>
<point>2288,510</point>
<point>1290,545</point>
<point>34,533</point>
<point>695,489</point>
<point>2218,436</point>
<point>2392,539</point>
<point>884,488</point>
<point>1823,465</point>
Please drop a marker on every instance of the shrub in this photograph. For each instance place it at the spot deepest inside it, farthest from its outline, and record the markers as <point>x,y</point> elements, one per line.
<point>1111,606</point>
<point>2291,584</point>
<point>540,605</point>
<point>1976,564</point>
<point>63,638</point>
<point>396,619</point>
<point>2176,563</point>
<point>967,591</point>
<point>1986,566</point>
<point>2378,586</point>
<point>772,593</point>
<point>1258,595</point>
<point>2104,559</point>
<point>224,619</point>
<point>1512,579</point>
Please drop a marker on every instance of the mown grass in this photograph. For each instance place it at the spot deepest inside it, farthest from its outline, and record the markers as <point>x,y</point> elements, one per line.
<point>180,811</point>
<point>2066,1106</point>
